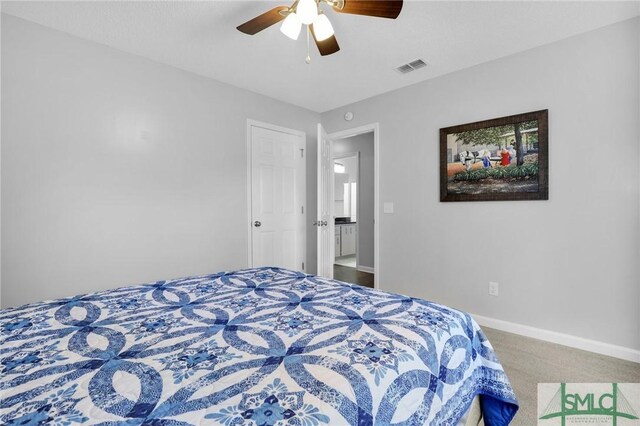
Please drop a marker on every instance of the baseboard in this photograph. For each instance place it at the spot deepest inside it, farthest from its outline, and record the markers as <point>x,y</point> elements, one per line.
<point>368,269</point>
<point>560,338</point>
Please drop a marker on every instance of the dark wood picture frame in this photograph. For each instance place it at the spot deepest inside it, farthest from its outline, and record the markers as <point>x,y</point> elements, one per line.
<point>493,175</point>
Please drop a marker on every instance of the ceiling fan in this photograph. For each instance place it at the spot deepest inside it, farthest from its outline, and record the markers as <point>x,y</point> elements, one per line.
<point>308,12</point>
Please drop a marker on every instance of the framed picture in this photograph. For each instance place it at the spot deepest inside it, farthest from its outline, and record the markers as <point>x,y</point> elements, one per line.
<point>502,159</point>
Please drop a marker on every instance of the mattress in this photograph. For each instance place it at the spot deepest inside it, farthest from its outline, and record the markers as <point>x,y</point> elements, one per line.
<point>263,346</point>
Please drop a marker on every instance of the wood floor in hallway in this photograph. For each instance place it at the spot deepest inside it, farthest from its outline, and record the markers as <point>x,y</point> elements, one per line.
<point>352,275</point>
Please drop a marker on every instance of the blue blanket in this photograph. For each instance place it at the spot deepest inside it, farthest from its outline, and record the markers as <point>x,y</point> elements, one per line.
<point>262,346</point>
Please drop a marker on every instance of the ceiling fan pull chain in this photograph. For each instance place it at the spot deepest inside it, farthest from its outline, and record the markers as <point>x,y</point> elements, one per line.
<point>308,58</point>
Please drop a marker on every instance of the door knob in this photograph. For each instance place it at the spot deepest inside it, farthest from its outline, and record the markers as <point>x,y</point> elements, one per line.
<point>257,223</point>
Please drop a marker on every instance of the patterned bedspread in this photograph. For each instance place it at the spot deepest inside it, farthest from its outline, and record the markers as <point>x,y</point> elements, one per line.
<point>262,346</point>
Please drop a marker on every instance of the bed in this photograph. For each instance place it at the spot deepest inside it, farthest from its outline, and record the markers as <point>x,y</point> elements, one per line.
<point>263,346</point>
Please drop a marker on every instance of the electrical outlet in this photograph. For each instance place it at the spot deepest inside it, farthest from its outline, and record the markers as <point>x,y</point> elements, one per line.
<point>494,288</point>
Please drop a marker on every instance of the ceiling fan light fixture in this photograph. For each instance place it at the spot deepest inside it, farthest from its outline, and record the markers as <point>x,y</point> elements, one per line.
<point>291,26</point>
<point>322,27</point>
<point>319,27</point>
<point>307,11</point>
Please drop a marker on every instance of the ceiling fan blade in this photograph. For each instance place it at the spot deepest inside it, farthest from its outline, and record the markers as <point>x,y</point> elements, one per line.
<point>263,21</point>
<point>326,46</point>
<point>380,8</point>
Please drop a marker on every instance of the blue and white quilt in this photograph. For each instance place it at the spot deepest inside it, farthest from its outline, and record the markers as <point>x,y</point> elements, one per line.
<point>262,346</point>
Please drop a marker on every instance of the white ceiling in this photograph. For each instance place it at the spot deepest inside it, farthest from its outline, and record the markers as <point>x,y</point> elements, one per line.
<point>201,37</point>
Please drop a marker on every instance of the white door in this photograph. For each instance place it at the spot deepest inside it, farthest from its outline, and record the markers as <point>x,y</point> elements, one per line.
<point>277,198</point>
<point>325,221</point>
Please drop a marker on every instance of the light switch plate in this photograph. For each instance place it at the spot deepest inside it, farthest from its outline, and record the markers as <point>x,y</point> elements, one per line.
<point>388,207</point>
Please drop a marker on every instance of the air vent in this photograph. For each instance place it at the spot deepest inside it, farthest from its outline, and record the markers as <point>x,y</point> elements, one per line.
<point>411,66</point>
<point>417,64</point>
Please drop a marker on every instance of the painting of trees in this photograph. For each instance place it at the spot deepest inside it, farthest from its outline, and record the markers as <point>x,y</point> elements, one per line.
<point>474,165</point>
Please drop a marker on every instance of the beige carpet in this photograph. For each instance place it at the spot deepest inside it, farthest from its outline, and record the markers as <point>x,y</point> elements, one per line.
<point>529,362</point>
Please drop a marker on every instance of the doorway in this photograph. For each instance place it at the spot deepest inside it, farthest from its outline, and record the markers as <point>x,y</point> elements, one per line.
<point>354,209</point>
<point>340,145</point>
<point>276,196</point>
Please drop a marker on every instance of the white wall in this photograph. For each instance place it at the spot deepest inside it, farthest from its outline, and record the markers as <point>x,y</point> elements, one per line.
<point>364,145</point>
<point>570,264</point>
<point>118,170</point>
